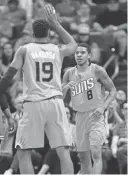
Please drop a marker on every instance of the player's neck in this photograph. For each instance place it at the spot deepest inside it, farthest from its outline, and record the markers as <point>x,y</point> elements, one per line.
<point>82,68</point>
<point>42,40</point>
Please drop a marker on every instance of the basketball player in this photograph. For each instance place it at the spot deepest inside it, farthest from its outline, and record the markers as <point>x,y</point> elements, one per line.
<point>43,107</point>
<point>87,82</point>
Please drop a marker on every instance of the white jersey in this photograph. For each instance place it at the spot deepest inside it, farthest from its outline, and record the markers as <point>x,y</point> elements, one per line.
<point>41,72</point>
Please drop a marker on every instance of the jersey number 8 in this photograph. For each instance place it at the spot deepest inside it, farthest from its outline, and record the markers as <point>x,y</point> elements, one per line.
<point>47,68</point>
<point>89,94</point>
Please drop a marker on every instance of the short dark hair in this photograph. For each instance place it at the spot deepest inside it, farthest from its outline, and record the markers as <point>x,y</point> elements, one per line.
<point>40,28</point>
<point>86,46</point>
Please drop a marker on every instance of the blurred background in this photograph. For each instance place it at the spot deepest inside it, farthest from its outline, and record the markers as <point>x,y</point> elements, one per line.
<point>100,23</point>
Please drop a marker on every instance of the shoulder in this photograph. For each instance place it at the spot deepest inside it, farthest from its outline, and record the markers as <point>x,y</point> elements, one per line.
<point>21,52</point>
<point>100,72</point>
<point>53,47</point>
<point>99,69</point>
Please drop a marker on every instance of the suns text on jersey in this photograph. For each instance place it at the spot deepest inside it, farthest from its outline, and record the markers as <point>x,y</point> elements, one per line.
<point>82,86</point>
<point>43,54</point>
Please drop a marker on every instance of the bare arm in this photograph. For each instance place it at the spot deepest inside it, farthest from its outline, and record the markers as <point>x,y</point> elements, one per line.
<point>70,43</point>
<point>16,65</point>
<point>106,81</point>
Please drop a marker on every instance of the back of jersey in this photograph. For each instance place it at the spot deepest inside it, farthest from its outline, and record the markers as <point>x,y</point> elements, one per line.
<point>41,72</point>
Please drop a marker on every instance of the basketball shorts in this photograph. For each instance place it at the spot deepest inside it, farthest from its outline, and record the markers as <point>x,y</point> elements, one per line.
<point>49,116</point>
<point>90,130</point>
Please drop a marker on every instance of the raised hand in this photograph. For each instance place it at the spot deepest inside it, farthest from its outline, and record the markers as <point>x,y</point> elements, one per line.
<point>50,14</point>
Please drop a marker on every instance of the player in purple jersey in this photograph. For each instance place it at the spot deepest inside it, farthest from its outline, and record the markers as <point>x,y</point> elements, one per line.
<point>42,110</point>
<point>87,83</point>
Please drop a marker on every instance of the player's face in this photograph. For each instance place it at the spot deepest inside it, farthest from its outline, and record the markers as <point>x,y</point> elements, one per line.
<point>81,55</point>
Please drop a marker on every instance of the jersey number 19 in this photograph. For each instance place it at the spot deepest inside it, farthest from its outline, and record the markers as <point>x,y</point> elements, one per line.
<point>47,68</point>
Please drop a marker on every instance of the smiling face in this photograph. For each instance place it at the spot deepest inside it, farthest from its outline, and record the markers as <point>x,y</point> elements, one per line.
<point>81,55</point>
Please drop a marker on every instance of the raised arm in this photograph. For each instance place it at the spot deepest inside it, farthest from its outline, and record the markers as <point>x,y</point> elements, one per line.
<point>106,81</point>
<point>16,65</point>
<point>70,43</point>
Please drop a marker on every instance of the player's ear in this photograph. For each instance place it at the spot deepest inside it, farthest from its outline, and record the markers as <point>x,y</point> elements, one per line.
<point>89,55</point>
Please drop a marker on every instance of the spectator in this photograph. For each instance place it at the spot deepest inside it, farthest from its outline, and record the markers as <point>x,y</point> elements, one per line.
<point>107,23</point>
<point>83,17</point>
<point>67,7</point>
<point>25,38</point>
<point>15,16</point>
<point>124,110</point>
<point>113,120</point>
<point>3,40</point>
<point>119,145</point>
<point>38,8</point>
<point>120,98</point>
<point>84,36</point>
<point>7,56</point>
<point>27,5</point>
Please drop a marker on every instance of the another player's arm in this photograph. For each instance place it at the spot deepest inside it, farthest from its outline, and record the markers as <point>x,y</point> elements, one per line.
<point>106,81</point>
<point>16,65</point>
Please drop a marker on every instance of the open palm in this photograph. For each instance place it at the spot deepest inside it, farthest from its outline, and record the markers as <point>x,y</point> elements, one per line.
<point>50,14</point>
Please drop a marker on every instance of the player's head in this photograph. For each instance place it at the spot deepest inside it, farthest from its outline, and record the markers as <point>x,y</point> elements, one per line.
<point>41,28</point>
<point>82,54</point>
